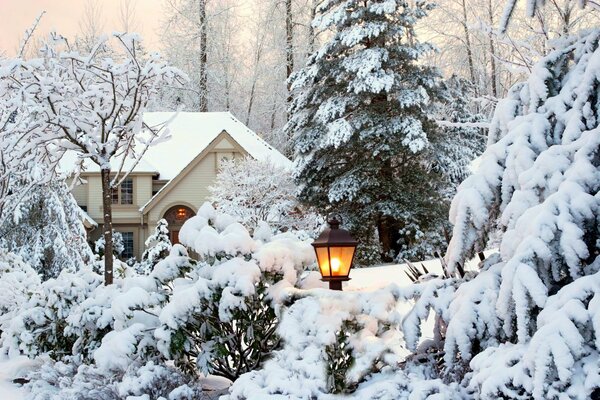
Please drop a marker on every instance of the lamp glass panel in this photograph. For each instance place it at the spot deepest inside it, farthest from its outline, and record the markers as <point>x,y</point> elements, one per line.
<point>323,260</point>
<point>341,258</point>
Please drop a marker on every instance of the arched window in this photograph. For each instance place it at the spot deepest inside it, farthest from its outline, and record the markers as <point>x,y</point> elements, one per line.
<point>176,217</point>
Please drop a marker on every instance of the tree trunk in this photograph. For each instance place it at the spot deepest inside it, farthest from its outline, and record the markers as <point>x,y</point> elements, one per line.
<point>384,230</point>
<point>311,30</point>
<point>289,47</point>
<point>203,101</point>
<point>468,45</point>
<point>492,51</point>
<point>107,228</point>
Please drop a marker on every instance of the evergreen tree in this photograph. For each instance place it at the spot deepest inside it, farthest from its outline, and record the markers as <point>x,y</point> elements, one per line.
<point>44,226</point>
<point>364,141</point>
<point>158,247</point>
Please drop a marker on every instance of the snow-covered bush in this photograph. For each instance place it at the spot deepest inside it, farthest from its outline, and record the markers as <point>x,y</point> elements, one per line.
<point>347,342</point>
<point>331,341</point>
<point>44,226</point>
<point>118,247</point>
<point>40,325</point>
<point>158,246</point>
<point>533,314</point>
<point>148,381</point>
<point>222,319</point>
<point>258,190</point>
<point>18,282</point>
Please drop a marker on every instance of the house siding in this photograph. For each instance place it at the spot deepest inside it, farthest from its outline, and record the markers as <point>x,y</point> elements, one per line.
<point>192,190</point>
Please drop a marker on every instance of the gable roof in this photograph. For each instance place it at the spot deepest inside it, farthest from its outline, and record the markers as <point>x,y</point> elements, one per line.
<point>191,165</point>
<point>190,133</point>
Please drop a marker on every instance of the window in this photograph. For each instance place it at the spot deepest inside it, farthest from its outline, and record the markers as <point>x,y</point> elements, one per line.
<point>127,191</point>
<point>127,245</point>
<point>124,193</point>
<point>222,158</point>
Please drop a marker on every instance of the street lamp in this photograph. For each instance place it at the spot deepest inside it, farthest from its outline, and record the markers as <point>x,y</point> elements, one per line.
<point>335,250</point>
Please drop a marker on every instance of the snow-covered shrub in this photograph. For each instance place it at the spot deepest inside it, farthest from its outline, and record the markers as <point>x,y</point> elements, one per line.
<point>258,190</point>
<point>114,326</point>
<point>149,381</point>
<point>331,342</point>
<point>158,246</point>
<point>40,324</point>
<point>75,316</point>
<point>118,246</point>
<point>222,318</point>
<point>44,226</point>
<point>18,282</point>
<point>533,315</point>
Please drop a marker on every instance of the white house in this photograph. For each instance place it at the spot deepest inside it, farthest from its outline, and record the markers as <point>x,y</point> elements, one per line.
<point>171,181</point>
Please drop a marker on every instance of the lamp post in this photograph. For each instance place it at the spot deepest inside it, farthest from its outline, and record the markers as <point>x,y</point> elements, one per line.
<point>335,250</point>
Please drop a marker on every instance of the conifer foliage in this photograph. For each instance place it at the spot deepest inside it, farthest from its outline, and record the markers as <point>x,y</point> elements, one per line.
<point>158,246</point>
<point>360,120</point>
<point>44,226</point>
<point>538,183</point>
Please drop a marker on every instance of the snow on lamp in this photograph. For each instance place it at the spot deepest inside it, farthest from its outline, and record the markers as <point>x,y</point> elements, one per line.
<point>335,250</point>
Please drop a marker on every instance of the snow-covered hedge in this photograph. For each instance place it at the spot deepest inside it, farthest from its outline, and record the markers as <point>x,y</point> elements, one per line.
<point>222,319</point>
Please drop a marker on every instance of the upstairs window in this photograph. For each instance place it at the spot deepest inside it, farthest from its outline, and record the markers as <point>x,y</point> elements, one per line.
<point>124,193</point>
<point>127,191</point>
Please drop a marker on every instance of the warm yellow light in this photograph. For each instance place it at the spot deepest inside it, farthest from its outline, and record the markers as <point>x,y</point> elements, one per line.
<point>335,265</point>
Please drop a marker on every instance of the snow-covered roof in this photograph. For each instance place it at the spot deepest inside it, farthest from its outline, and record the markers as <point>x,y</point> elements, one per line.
<point>190,133</point>
<point>88,221</point>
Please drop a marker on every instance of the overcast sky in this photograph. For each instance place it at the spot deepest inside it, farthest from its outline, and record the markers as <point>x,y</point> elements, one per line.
<point>64,16</point>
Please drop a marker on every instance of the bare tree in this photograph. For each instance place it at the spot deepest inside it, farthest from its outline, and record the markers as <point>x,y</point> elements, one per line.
<point>95,110</point>
<point>128,21</point>
<point>91,25</point>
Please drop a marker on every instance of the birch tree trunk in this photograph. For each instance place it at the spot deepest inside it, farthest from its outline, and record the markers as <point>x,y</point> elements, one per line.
<point>203,101</point>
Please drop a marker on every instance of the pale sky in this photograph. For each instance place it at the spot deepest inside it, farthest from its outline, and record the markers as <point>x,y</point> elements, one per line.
<point>64,16</point>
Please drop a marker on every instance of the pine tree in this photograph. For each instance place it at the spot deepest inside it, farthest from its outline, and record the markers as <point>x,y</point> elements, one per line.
<point>158,247</point>
<point>533,311</point>
<point>362,135</point>
<point>44,226</point>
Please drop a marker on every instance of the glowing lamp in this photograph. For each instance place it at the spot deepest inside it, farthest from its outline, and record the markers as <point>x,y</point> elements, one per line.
<point>335,250</point>
<point>181,213</point>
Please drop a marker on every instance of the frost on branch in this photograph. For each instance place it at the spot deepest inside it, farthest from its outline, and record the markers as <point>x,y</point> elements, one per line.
<point>258,191</point>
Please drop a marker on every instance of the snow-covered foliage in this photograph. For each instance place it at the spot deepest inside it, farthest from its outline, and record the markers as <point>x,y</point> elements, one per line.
<point>158,246</point>
<point>40,325</point>
<point>256,191</point>
<point>222,318</point>
<point>362,124</point>
<point>148,381</point>
<point>17,284</point>
<point>356,343</point>
<point>117,245</point>
<point>533,314</point>
<point>90,105</point>
<point>44,226</point>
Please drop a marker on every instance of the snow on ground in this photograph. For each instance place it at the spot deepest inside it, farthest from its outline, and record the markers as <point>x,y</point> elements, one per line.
<point>13,368</point>
<point>377,277</point>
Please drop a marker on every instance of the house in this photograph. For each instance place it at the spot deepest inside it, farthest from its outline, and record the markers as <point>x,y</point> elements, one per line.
<point>171,181</point>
